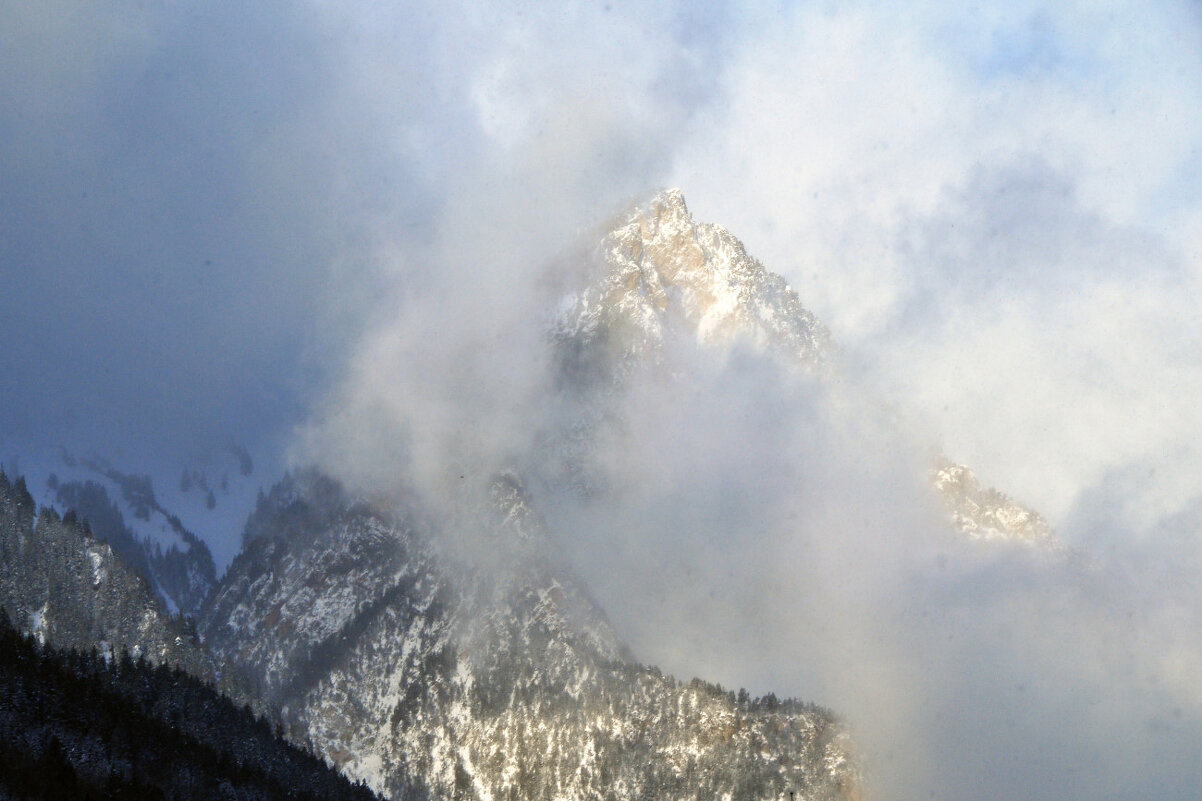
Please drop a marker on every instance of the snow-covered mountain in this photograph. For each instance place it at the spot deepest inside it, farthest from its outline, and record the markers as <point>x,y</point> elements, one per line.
<point>453,654</point>
<point>159,530</point>
<point>71,590</point>
<point>488,672</point>
<point>660,274</point>
<point>433,676</point>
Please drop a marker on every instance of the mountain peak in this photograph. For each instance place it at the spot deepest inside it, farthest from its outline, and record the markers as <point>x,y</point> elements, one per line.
<point>670,202</point>
<point>664,273</point>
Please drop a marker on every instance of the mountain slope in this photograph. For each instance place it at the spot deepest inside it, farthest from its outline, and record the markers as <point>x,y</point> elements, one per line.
<point>123,510</point>
<point>428,675</point>
<point>72,591</point>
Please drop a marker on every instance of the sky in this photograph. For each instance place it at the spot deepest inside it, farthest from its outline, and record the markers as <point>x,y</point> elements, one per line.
<point>332,232</point>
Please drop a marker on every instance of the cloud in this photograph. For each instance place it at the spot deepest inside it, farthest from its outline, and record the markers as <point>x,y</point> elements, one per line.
<point>166,222</point>
<point>206,206</point>
<point>988,208</point>
<point>773,531</point>
<point>551,137</point>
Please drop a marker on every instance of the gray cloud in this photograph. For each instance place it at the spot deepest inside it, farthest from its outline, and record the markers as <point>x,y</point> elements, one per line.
<point>170,209</point>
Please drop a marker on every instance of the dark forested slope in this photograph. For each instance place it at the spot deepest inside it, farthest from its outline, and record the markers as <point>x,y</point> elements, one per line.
<point>75,725</point>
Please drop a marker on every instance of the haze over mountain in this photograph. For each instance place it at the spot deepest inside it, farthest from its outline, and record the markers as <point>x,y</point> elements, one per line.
<point>428,640</point>
<point>301,224</point>
<point>734,503</point>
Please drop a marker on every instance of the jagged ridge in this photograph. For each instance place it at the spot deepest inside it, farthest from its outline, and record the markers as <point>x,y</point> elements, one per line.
<point>661,265</point>
<point>431,677</point>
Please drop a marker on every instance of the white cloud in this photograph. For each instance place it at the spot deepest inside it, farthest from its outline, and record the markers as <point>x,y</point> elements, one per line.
<point>976,200</point>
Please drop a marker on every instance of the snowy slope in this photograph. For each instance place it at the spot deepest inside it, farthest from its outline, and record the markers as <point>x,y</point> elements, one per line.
<point>162,532</point>
<point>72,591</point>
<point>423,674</point>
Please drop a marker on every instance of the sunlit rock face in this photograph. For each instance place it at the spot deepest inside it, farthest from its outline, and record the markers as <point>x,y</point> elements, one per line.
<point>662,292</point>
<point>987,514</point>
<point>662,272</point>
<point>432,676</point>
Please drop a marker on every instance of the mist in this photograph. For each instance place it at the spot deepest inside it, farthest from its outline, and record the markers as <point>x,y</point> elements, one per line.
<point>340,234</point>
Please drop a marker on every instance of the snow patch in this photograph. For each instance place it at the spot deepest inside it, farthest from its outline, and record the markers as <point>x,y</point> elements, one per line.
<point>99,573</point>
<point>37,624</point>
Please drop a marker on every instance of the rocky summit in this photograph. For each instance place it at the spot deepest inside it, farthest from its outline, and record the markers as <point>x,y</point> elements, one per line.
<point>660,273</point>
